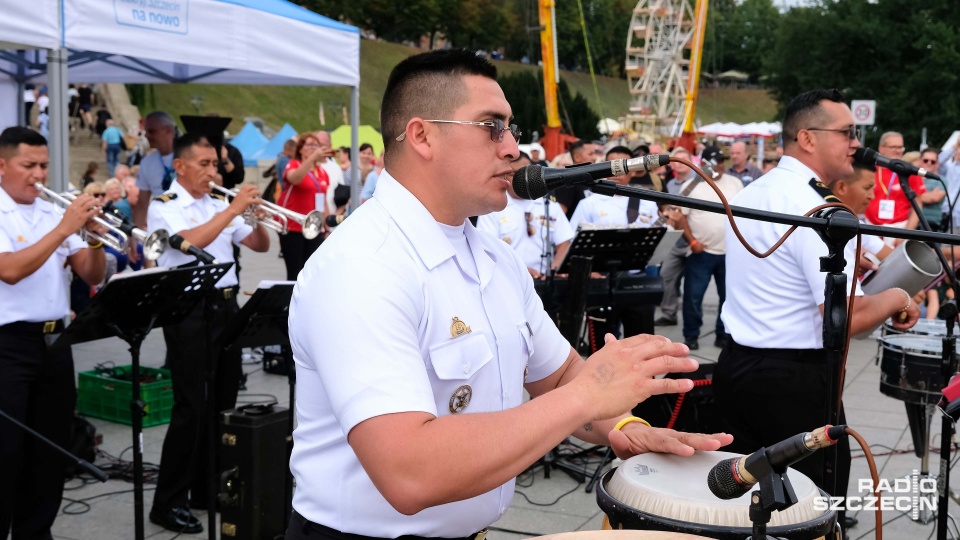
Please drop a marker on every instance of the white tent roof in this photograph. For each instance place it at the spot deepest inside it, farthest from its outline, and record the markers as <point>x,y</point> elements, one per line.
<point>186,41</point>
<point>730,129</point>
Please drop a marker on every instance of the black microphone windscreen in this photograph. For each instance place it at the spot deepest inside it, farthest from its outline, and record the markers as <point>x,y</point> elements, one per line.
<point>865,156</point>
<point>722,482</point>
<point>528,182</point>
<point>175,241</point>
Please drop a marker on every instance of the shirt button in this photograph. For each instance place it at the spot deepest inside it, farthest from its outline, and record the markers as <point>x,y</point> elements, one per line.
<point>466,368</point>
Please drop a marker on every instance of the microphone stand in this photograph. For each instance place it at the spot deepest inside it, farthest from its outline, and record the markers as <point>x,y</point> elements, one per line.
<point>835,226</point>
<point>948,364</point>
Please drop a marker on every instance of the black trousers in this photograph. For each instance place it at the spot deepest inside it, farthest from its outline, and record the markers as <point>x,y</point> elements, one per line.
<point>296,250</point>
<point>190,344</point>
<point>37,388</point>
<point>766,395</point>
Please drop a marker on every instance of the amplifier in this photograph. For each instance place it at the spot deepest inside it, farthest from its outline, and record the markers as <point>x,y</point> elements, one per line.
<point>253,458</point>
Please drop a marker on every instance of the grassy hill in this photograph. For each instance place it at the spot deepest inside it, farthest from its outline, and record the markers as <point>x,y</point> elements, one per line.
<point>299,105</point>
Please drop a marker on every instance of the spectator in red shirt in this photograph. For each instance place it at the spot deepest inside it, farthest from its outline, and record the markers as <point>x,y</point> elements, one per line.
<point>305,190</point>
<point>890,206</point>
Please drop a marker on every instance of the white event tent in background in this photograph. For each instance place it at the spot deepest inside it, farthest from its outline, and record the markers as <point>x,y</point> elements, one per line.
<point>169,41</point>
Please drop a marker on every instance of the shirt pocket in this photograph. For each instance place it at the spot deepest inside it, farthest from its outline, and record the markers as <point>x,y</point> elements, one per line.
<point>526,339</point>
<point>460,358</point>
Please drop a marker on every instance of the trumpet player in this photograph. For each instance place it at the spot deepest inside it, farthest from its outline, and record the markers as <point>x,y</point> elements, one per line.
<point>37,246</point>
<point>207,221</point>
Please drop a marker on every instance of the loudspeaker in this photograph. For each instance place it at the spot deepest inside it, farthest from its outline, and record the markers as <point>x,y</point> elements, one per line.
<point>696,413</point>
<point>253,457</point>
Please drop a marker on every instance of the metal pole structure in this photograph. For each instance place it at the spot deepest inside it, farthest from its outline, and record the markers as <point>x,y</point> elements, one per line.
<point>354,148</point>
<point>59,143</point>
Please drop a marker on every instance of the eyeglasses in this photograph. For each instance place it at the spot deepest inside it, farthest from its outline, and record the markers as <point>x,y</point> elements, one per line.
<point>850,132</point>
<point>929,161</point>
<point>99,194</point>
<point>890,146</point>
<point>497,128</point>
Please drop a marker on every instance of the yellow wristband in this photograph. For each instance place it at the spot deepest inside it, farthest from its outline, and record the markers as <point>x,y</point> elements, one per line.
<point>629,419</point>
<point>98,245</point>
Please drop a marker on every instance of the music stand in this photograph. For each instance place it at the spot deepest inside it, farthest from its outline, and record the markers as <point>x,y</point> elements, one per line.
<point>129,307</point>
<point>598,250</point>
<point>261,321</point>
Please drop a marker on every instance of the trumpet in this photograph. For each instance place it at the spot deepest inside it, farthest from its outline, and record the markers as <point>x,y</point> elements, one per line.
<point>117,243</point>
<point>154,244</point>
<point>278,216</point>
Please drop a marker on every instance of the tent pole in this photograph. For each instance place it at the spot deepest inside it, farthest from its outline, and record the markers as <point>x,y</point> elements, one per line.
<point>354,145</point>
<point>59,143</point>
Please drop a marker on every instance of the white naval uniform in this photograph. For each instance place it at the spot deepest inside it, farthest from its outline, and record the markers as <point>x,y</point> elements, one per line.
<point>510,225</point>
<point>606,210</point>
<point>371,325</point>
<point>177,211</point>
<point>45,294</point>
<point>773,303</point>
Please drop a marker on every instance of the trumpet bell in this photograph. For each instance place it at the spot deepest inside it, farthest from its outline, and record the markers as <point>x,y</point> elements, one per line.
<point>156,244</point>
<point>312,224</point>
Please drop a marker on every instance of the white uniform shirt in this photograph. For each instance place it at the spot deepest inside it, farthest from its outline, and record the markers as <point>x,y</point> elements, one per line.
<point>45,294</point>
<point>606,210</point>
<point>774,302</point>
<point>183,213</point>
<point>371,325</point>
<point>510,225</point>
<point>707,227</point>
<point>153,169</point>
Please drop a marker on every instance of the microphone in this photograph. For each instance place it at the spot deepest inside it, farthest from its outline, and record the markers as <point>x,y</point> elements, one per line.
<point>869,156</point>
<point>733,477</point>
<point>183,245</point>
<point>336,219</point>
<point>535,181</point>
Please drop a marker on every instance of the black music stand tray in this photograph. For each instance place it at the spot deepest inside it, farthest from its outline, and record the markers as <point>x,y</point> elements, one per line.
<point>597,250</point>
<point>261,321</point>
<point>129,307</point>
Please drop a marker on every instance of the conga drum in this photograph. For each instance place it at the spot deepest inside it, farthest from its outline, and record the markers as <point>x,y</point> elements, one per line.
<point>664,492</point>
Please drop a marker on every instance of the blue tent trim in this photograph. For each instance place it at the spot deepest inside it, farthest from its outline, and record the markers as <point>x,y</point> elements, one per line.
<point>275,146</point>
<point>248,142</point>
<point>293,11</point>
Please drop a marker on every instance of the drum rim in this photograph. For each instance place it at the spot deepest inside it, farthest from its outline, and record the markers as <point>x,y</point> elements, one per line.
<point>604,499</point>
<point>889,343</point>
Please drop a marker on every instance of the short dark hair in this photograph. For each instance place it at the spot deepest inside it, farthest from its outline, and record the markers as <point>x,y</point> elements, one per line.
<point>804,110</point>
<point>13,137</point>
<point>618,150</point>
<point>523,155</point>
<point>346,150</point>
<point>365,146</point>
<point>427,85</point>
<point>930,150</point>
<point>188,141</point>
<point>577,145</point>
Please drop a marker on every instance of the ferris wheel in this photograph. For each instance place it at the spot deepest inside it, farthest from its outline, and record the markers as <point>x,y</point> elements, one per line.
<point>664,45</point>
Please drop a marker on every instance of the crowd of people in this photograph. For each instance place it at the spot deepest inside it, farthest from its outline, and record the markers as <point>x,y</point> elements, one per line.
<point>467,331</point>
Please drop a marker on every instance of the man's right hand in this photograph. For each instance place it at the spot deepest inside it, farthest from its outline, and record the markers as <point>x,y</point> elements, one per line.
<point>80,211</point>
<point>247,195</point>
<point>623,373</point>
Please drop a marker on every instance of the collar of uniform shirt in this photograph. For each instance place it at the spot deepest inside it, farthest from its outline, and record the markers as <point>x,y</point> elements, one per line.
<point>184,198</point>
<point>799,171</point>
<point>423,231</point>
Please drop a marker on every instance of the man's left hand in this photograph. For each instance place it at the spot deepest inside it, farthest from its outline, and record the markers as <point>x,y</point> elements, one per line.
<point>636,438</point>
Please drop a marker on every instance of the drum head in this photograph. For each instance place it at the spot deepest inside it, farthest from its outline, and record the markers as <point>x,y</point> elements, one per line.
<point>913,344</point>
<point>668,492</point>
<point>929,327</point>
<point>620,535</point>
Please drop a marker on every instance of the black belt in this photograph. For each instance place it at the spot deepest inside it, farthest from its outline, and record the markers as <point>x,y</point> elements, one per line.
<point>225,293</point>
<point>322,531</point>
<point>809,356</point>
<point>47,327</point>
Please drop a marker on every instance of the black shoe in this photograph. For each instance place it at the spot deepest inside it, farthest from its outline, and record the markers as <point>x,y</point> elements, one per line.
<point>691,343</point>
<point>721,341</point>
<point>849,522</point>
<point>663,321</point>
<point>177,519</point>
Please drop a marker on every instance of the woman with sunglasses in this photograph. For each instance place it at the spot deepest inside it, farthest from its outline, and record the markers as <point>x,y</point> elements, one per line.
<point>306,184</point>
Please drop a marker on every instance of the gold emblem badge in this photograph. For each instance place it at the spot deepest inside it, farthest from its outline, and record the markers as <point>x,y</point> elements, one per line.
<point>507,240</point>
<point>460,398</point>
<point>459,328</point>
<point>20,238</point>
<point>602,213</point>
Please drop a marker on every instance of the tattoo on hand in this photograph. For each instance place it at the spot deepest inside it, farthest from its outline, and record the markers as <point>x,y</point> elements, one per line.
<point>604,373</point>
<point>588,427</point>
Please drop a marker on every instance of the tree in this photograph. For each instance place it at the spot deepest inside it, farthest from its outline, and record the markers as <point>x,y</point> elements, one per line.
<point>524,92</point>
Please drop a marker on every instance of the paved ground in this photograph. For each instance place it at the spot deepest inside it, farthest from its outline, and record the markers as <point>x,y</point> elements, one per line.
<point>541,506</point>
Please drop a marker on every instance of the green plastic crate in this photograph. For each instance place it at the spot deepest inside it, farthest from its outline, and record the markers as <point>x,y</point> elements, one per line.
<point>101,395</point>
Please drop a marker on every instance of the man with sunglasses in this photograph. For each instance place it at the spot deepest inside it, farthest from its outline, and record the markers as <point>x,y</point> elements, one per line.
<point>774,307</point>
<point>890,207</point>
<point>415,335</point>
<point>933,199</point>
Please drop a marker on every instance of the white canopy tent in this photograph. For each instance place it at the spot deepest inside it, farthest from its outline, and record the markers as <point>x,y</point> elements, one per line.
<point>168,41</point>
<point>732,130</point>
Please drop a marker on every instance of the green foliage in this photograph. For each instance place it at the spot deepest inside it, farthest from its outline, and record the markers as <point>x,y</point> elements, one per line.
<point>524,92</point>
<point>874,50</point>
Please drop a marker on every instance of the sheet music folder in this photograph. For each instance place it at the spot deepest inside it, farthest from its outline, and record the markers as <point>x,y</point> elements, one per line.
<point>615,249</point>
<point>141,301</point>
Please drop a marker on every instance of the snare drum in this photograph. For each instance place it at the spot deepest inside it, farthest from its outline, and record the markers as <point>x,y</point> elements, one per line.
<point>924,327</point>
<point>910,368</point>
<point>664,492</point>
